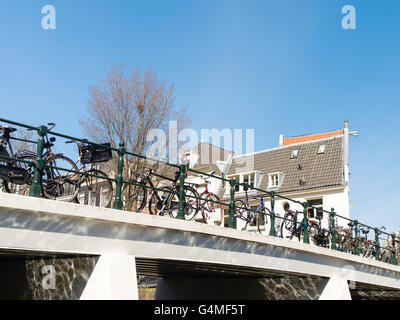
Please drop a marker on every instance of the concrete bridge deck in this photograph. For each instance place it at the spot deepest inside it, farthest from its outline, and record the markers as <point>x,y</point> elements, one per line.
<point>185,254</point>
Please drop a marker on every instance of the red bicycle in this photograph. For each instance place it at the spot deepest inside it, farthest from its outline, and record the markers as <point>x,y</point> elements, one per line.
<point>210,207</point>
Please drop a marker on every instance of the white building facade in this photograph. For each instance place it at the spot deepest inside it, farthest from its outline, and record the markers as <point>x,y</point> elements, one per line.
<point>311,168</point>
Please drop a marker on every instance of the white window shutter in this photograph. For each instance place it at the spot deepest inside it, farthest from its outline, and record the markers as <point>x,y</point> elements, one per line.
<point>257,179</point>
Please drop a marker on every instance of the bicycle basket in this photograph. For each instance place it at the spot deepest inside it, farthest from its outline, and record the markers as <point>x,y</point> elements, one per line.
<point>95,154</point>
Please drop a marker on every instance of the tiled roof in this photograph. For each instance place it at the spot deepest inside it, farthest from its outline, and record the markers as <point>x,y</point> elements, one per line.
<point>208,156</point>
<point>311,137</point>
<point>317,170</point>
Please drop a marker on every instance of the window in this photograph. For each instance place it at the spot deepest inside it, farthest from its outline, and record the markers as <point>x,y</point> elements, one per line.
<point>316,211</point>
<point>321,149</point>
<point>275,180</point>
<point>294,154</point>
<point>250,178</point>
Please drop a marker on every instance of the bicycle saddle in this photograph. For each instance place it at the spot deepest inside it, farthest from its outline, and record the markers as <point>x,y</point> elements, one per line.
<point>7,129</point>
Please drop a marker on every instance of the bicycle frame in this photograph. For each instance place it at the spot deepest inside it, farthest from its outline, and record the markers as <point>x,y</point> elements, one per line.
<point>252,213</point>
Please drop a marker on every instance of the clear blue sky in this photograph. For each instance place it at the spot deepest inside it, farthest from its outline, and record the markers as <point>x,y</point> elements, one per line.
<point>276,67</point>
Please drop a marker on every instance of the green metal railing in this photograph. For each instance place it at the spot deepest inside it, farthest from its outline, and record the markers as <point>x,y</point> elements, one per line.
<point>232,207</point>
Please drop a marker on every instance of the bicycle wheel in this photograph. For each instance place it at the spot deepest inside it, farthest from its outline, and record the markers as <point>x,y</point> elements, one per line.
<point>60,184</point>
<point>158,201</point>
<point>261,219</point>
<point>191,203</point>
<point>135,197</point>
<point>314,232</point>
<point>242,212</point>
<point>212,212</point>
<point>21,189</point>
<point>94,190</point>
<point>288,224</point>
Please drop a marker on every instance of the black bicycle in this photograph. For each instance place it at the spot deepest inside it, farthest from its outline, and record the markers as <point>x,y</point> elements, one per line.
<point>320,236</point>
<point>93,188</point>
<point>15,175</point>
<point>295,228</point>
<point>161,199</point>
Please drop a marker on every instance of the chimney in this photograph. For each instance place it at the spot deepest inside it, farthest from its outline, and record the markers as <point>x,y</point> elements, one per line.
<point>280,140</point>
<point>346,151</point>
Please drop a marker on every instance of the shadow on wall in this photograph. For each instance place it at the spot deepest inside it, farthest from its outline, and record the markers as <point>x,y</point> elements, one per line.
<point>60,278</point>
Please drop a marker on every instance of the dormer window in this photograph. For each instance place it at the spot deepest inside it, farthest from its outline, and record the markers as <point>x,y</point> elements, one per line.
<point>249,178</point>
<point>294,154</point>
<point>275,180</point>
<point>321,149</point>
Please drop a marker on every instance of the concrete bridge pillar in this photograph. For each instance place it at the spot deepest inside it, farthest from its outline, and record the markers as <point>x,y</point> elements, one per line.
<point>113,278</point>
<point>335,289</point>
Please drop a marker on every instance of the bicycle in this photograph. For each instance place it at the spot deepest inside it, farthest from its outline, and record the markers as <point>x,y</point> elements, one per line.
<point>210,208</point>
<point>94,186</point>
<point>291,224</point>
<point>165,200</point>
<point>135,191</point>
<point>15,175</point>
<point>320,236</point>
<point>349,245</point>
<point>365,246</point>
<point>252,217</point>
<point>54,185</point>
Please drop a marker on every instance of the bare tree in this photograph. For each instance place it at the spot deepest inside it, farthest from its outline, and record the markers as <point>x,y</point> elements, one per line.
<point>125,108</point>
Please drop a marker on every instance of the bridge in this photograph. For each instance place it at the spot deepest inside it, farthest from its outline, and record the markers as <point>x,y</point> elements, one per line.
<point>56,250</point>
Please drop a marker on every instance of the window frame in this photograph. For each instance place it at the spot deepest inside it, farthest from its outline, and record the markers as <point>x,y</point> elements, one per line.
<point>239,188</point>
<point>294,154</point>
<point>323,146</point>
<point>278,181</point>
<point>316,206</point>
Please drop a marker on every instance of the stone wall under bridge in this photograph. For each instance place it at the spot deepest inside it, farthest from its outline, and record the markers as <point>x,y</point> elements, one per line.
<point>28,276</point>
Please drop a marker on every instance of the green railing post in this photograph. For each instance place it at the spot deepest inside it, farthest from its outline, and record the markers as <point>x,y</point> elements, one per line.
<point>394,259</point>
<point>181,210</point>
<point>377,246</point>
<point>333,231</point>
<point>120,180</point>
<point>272,231</point>
<point>356,238</point>
<point>232,206</point>
<point>35,188</point>
<point>306,238</point>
